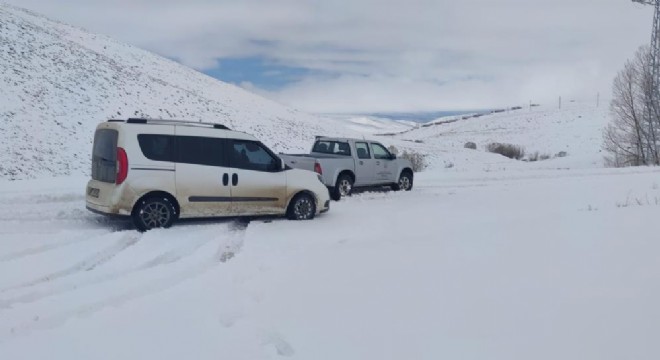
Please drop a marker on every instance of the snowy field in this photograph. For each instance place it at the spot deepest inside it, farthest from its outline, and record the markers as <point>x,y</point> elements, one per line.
<point>534,264</point>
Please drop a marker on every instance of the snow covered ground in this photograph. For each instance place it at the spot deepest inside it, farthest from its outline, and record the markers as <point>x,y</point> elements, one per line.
<point>529,264</point>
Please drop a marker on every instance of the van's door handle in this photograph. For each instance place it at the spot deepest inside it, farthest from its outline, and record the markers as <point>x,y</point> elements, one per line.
<point>225,179</point>
<point>361,162</point>
<point>377,162</point>
<point>234,179</point>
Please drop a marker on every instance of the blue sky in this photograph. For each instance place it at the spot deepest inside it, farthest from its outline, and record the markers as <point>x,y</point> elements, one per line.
<point>366,56</point>
<point>258,72</point>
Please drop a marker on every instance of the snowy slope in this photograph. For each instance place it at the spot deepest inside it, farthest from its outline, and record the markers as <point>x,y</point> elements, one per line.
<point>575,129</point>
<point>57,82</point>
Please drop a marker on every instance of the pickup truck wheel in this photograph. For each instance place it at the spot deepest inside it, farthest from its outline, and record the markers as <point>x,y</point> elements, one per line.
<point>405,182</point>
<point>343,187</point>
<point>302,207</point>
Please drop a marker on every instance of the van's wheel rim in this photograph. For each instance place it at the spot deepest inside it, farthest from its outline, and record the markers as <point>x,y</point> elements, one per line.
<point>345,187</point>
<point>155,215</point>
<point>303,208</point>
<point>404,182</point>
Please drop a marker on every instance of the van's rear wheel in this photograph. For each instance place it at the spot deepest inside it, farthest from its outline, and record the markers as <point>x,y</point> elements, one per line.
<point>302,207</point>
<point>343,187</point>
<point>153,212</point>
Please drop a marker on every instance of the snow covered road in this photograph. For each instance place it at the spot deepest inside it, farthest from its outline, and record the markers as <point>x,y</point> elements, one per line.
<point>538,264</point>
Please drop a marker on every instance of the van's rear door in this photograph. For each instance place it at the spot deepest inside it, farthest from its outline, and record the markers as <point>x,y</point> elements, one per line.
<point>104,168</point>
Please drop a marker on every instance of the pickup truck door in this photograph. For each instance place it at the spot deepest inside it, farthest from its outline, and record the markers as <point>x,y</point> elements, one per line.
<point>384,168</point>
<point>365,165</point>
<point>258,183</point>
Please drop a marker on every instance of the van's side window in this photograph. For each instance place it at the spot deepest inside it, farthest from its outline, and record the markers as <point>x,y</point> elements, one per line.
<point>251,155</point>
<point>200,150</point>
<point>157,147</point>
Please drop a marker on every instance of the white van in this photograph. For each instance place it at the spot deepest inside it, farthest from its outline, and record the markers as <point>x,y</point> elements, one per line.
<point>157,171</point>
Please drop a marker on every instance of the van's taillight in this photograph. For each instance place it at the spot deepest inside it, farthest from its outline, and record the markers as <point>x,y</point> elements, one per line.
<point>122,166</point>
<point>317,169</point>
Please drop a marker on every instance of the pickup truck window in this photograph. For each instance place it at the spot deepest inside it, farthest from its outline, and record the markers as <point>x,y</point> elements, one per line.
<point>332,147</point>
<point>362,150</point>
<point>380,152</point>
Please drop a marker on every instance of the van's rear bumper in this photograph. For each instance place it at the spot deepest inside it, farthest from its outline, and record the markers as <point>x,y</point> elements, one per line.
<point>104,210</point>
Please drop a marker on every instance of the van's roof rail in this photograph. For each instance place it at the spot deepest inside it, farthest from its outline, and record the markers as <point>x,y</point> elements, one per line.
<point>171,122</point>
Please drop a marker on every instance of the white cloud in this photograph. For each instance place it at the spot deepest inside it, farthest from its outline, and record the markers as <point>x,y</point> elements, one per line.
<point>391,55</point>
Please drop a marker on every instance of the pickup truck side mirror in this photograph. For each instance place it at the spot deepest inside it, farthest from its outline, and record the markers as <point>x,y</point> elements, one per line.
<point>392,156</point>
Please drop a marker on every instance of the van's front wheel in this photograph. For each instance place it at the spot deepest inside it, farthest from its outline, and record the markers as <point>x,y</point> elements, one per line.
<point>302,207</point>
<point>153,212</point>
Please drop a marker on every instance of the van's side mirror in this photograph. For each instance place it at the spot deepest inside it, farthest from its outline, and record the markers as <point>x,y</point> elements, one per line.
<point>392,156</point>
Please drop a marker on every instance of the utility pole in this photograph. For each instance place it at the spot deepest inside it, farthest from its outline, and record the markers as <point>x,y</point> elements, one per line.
<point>560,102</point>
<point>654,99</point>
<point>655,50</point>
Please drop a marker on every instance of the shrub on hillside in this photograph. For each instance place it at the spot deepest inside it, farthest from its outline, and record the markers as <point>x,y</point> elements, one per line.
<point>393,150</point>
<point>470,145</point>
<point>509,150</point>
<point>418,160</point>
<point>533,156</point>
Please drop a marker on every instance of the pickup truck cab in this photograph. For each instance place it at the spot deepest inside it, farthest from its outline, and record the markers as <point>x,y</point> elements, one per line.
<point>344,164</point>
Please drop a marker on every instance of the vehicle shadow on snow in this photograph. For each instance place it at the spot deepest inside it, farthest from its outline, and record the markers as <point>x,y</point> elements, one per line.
<point>372,189</point>
<point>235,222</point>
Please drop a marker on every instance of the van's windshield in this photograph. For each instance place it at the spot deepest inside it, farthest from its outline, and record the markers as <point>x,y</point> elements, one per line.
<point>104,155</point>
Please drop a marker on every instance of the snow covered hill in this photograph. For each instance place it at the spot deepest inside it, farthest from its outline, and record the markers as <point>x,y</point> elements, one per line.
<point>57,82</point>
<point>576,130</point>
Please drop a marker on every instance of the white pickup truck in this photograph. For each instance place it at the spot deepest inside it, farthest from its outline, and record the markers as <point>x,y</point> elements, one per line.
<point>344,164</point>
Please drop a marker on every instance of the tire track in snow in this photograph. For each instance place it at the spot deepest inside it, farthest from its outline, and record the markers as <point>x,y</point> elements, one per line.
<point>165,258</point>
<point>128,239</point>
<point>224,251</point>
<point>41,249</point>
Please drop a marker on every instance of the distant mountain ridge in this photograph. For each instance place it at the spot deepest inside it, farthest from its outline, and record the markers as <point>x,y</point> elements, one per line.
<point>57,82</point>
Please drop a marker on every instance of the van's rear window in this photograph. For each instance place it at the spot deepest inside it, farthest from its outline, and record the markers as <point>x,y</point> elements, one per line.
<point>104,155</point>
